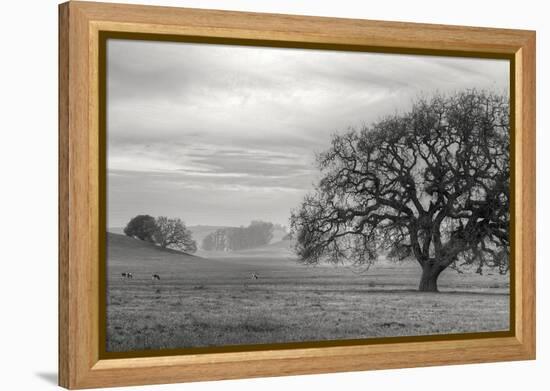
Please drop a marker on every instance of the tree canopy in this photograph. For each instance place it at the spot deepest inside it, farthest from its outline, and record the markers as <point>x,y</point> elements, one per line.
<point>432,184</point>
<point>162,231</point>
<point>142,227</point>
<point>172,233</point>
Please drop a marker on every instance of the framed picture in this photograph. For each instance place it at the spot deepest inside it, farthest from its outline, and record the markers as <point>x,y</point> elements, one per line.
<point>246,195</point>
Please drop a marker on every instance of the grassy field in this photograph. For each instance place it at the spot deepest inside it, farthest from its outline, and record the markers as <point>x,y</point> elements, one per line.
<point>211,300</point>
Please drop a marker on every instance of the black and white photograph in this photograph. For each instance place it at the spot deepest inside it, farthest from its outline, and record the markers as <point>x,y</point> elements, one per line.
<point>263,195</point>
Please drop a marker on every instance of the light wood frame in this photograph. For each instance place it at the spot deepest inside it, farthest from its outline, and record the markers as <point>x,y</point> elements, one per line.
<point>80,364</point>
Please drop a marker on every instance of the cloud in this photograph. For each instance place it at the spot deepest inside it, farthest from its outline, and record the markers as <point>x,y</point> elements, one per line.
<point>233,130</point>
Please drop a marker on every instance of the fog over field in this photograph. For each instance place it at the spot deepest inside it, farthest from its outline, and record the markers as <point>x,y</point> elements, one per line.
<point>227,143</point>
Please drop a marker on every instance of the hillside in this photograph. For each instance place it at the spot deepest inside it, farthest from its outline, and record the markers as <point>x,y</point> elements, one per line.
<point>133,255</point>
<point>118,242</point>
<point>143,259</point>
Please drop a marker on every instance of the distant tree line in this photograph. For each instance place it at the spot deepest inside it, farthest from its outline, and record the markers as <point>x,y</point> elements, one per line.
<point>258,233</point>
<point>163,231</point>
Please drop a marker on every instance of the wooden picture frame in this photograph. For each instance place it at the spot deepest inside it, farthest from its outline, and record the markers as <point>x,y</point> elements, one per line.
<point>81,163</point>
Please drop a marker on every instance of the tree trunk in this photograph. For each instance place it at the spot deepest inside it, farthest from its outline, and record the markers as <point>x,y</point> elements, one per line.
<point>428,281</point>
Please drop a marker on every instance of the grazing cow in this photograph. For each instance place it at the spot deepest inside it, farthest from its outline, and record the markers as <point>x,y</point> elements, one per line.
<point>255,276</point>
<point>127,275</point>
<point>155,277</point>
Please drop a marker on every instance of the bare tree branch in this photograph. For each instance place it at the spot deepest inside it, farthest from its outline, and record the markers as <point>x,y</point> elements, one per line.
<point>432,183</point>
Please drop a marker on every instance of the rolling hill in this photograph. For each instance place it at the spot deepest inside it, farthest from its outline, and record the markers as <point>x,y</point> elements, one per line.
<point>143,259</point>
<point>125,254</point>
<point>118,244</point>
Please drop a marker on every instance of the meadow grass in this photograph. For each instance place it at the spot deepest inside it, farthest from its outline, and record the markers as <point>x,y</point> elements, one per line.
<point>213,302</point>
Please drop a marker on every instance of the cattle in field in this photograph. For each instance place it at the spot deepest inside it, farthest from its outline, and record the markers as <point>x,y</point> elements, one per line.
<point>155,277</point>
<point>255,276</point>
<point>127,275</point>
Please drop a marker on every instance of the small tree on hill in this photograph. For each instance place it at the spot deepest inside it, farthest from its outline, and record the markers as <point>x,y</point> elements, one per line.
<point>172,233</point>
<point>142,227</point>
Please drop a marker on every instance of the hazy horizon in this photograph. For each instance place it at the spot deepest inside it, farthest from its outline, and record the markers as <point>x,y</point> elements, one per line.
<point>201,225</point>
<point>223,135</point>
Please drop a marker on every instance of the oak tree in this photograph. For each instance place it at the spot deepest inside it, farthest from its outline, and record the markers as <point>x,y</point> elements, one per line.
<point>172,233</point>
<point>432,184</point>
<point>141,227</point>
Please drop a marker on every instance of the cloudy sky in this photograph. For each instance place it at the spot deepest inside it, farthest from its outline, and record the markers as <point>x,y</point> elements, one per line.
<point>222,135</point>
